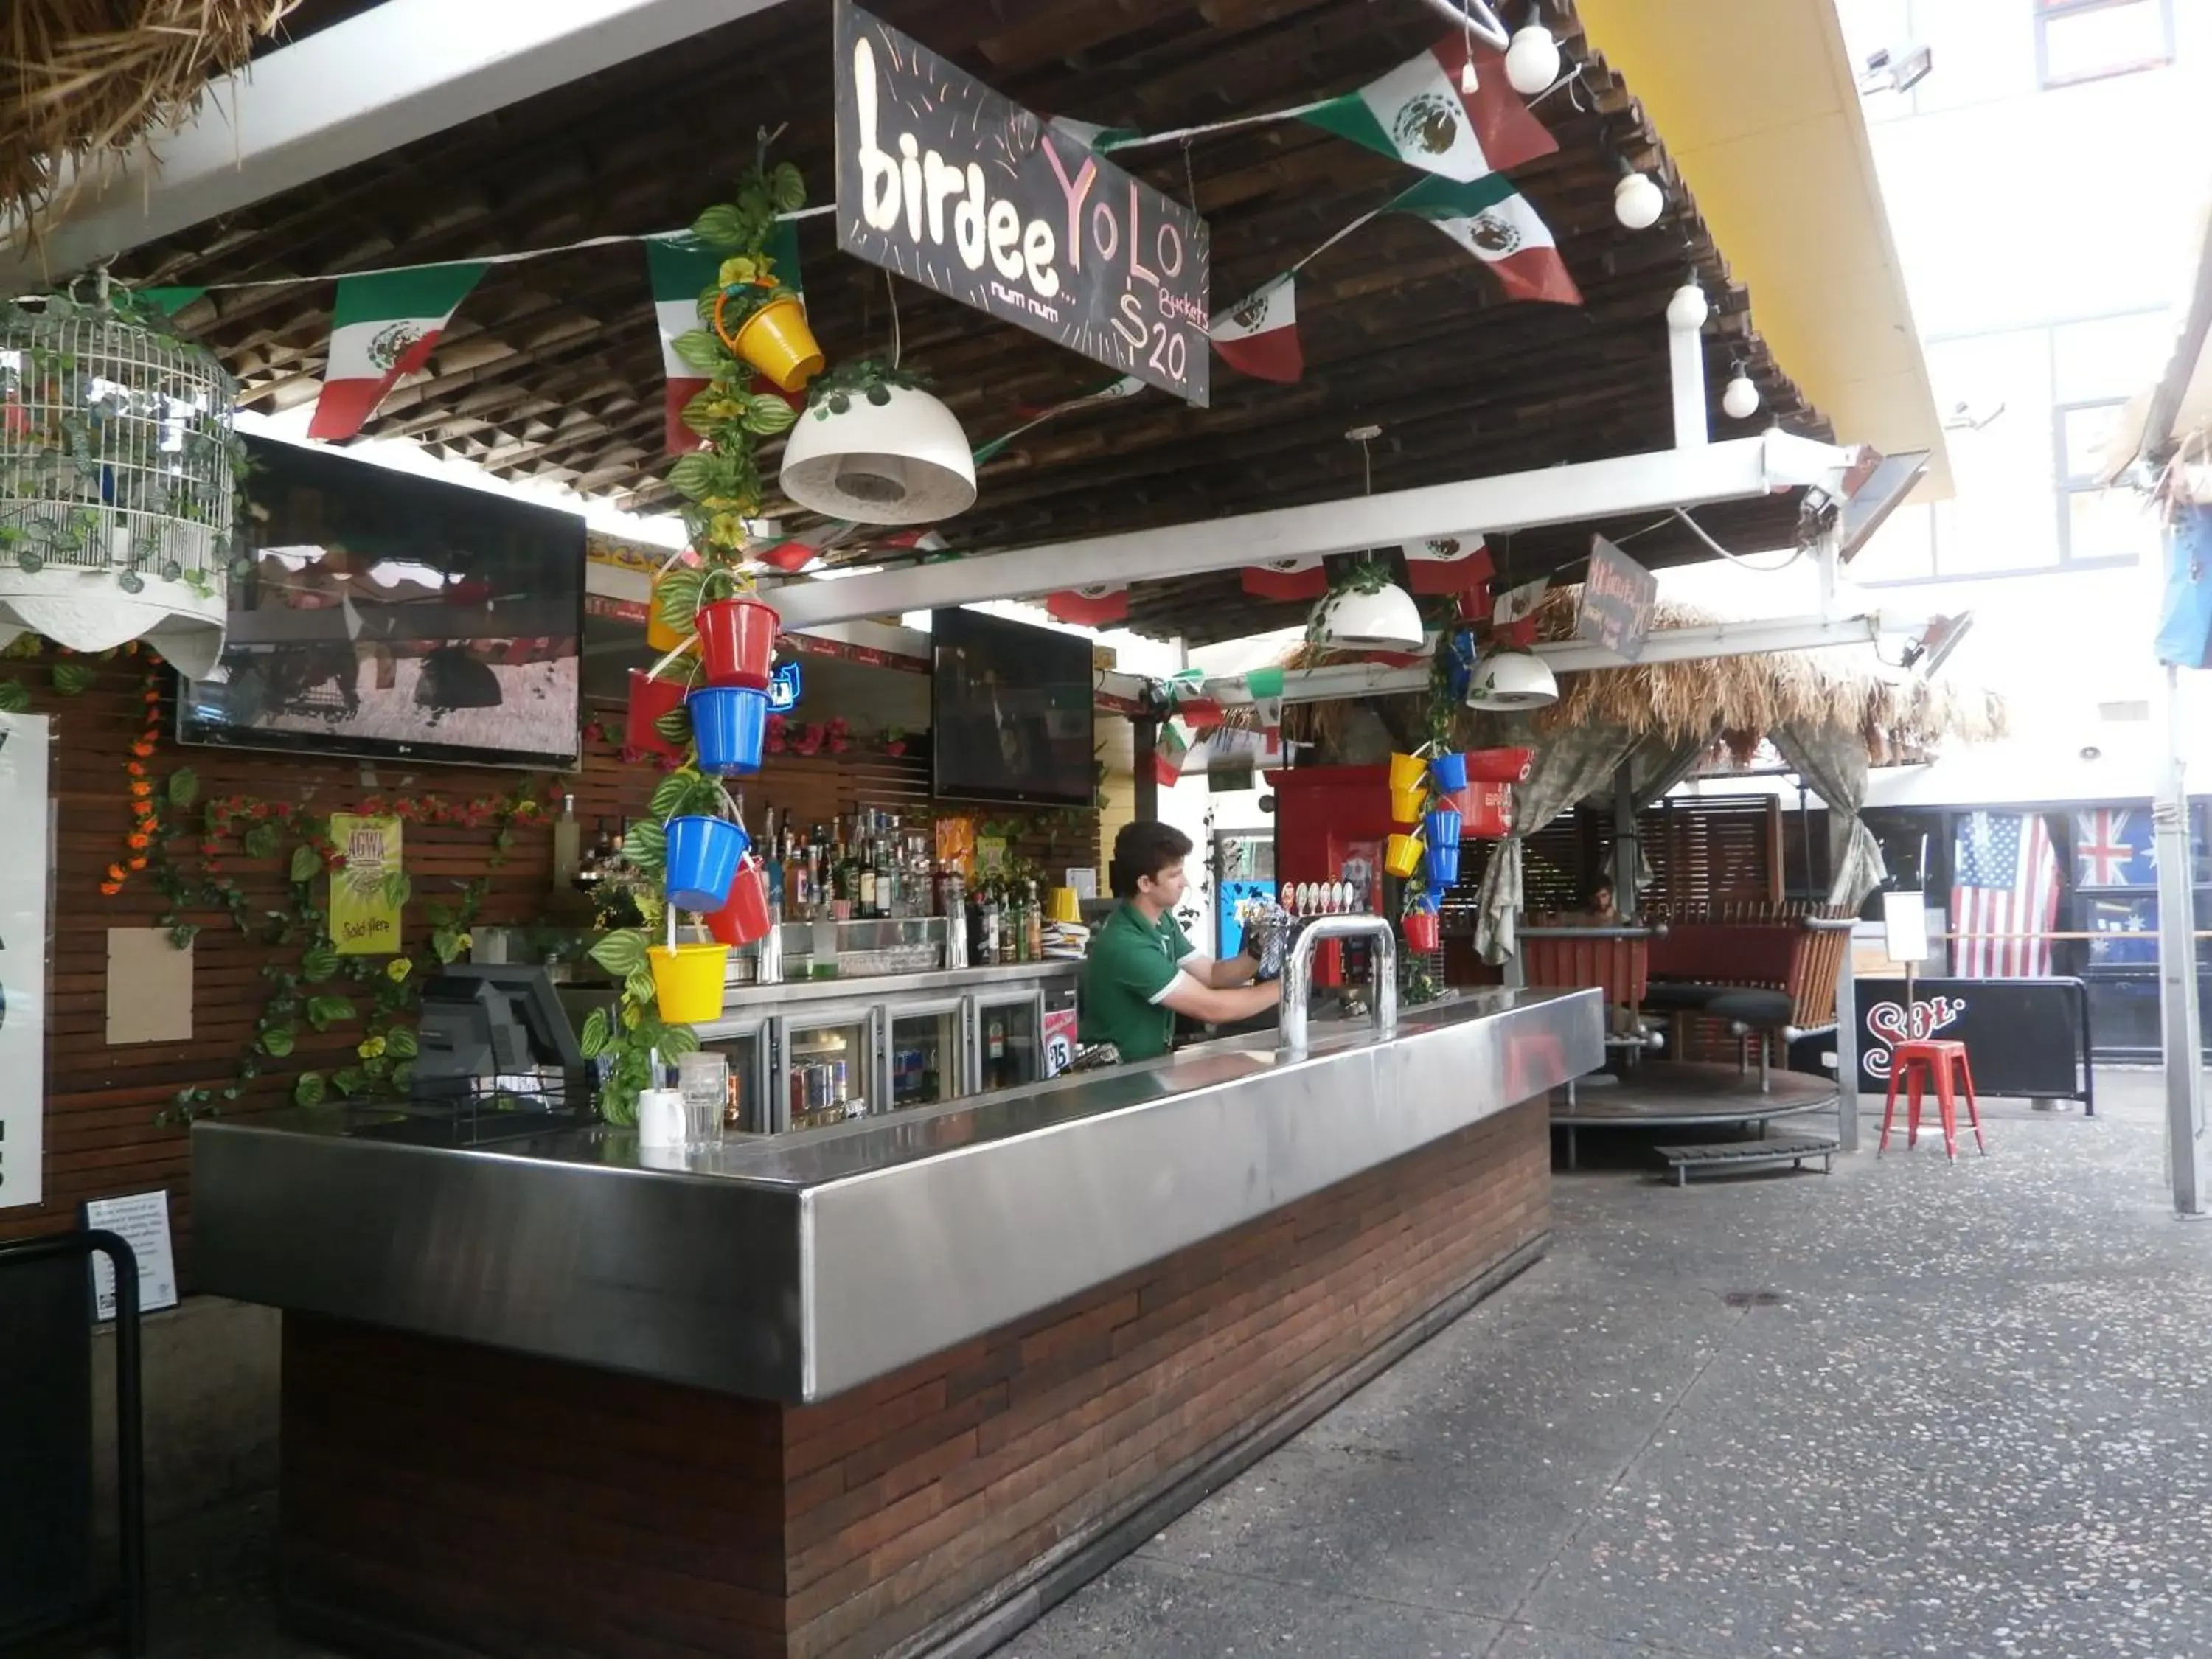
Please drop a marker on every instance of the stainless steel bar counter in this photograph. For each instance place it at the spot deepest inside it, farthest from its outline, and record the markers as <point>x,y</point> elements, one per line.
<point>916,1364</point>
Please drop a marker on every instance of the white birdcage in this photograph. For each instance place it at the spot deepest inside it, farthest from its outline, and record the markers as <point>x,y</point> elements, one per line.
<point>117,472</point>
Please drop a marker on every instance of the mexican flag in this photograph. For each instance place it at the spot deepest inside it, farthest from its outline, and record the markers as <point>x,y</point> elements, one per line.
<point>1287,579</point>
<point>790,555</point>
<point>1258,336</point>
<point>1128,385</point>
<point>1265,686</point>
<point>681,268</point>
<point>1417,115</point>
<point>1094,606</point>
<point>1092,136</point>
<point>1493,222</point>
<point>1171,752</point>
<point>384,326</point>
<point>1447,564</point>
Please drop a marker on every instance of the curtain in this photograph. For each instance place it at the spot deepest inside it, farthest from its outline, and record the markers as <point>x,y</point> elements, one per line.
<point>1832,759</point>
<point>1569,765</point>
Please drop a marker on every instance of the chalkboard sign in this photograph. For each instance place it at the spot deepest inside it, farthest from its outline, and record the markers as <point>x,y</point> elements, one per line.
<point>2023,1036</point>
<point>1618,597</point>
<point>945,182</point>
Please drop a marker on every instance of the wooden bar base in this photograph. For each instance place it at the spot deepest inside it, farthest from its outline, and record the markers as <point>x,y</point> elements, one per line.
<point>445,1499</point>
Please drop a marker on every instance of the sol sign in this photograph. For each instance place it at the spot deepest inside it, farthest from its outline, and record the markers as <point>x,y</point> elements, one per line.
<point>945,182</point>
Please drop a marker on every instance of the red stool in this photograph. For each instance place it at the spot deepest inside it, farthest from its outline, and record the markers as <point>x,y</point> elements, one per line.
<point>1940,1062</point>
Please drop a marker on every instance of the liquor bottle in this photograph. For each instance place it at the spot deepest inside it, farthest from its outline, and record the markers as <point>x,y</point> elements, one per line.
<point>1007,929</point>
<point>972,918</point>
<point>846,878</point>
<point>866,858</point>
<point>568,844</point>
<point>1033,917</point>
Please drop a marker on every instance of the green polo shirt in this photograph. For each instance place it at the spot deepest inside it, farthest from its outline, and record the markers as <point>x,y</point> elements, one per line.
<point>1131,965</point>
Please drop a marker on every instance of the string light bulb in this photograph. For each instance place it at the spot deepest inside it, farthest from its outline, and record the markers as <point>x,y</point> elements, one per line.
<point>1638,201</point>
<point>1687,309</point>
<point>1532,60</point>
<point>1467,83</point>
<point>1740,398</point>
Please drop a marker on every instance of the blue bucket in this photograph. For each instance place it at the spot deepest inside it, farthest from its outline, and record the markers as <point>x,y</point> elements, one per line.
<point>704,855</point>
<point>729,725</point>
<point>1449,773</point>
<point>1444,827</point>
<point>1433,893</point>
<point>1440,863</point>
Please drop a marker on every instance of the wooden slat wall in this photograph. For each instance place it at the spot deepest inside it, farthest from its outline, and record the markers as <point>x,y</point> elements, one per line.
<point>101,1138</point>
<point>1719,850</point>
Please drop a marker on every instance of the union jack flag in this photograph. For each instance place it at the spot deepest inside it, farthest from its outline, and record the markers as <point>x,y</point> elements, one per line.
<point>2113,849</point>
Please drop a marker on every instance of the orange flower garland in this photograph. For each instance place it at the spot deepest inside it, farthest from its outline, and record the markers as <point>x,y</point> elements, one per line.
<point>145,814</point>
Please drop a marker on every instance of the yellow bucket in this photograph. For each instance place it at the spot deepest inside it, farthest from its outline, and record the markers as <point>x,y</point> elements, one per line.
<point>1407,772</point>
<point>776,341</point>
<point>1402,856</point>
<point>1407,805</point>
<point>687,982</point>
<point>659,636</point>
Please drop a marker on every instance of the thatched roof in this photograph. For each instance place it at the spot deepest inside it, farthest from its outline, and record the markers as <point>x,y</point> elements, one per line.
<point>83,79</point>
<point>1741,699</point>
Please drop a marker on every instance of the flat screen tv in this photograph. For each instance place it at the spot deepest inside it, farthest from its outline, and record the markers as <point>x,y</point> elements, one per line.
<point>1009,711</point>
<point>389,616</point>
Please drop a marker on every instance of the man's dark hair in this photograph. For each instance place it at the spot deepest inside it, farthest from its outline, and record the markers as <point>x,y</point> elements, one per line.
<point>1144,849</point>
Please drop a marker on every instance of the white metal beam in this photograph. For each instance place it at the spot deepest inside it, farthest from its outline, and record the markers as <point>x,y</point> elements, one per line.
<point>1738,470</point>
<point>400,71</point>
<point>1743,638</point>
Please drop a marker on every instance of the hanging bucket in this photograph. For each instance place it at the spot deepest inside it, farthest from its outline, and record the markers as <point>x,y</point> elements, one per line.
<point>775,340</point>
<point>649,698</point>
<point>1420,927</point>
<point>1403,855</point>
<point>1449,773</point>
<point>1442,866</point>
<point>736,642</point>
<point>1408,772</point>
<point>746,917</point>
<point>1444,827</point>
<point>1499,765</point>
<point>729,723</point>
<point>703,860</point>
<point>1406,804</point>
<point>687,981</point>
<point>659,636</point>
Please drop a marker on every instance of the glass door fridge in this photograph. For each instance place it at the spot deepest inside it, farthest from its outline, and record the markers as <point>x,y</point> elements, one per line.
<point>750,1100</point>
<point>927,1055</point>
<point>1006,1035</point>
<point>831,1062</point>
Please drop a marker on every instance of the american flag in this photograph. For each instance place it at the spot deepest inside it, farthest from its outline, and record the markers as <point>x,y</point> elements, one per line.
<point>2004,881</point>
<point>2113,849</point>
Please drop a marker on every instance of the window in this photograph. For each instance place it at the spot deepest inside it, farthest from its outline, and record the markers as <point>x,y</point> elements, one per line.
<point>2078,40</point>
<point>2096,525</point>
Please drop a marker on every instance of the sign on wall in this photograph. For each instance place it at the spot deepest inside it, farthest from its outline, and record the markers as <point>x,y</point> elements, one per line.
<point>364,919</point>
<point>1619,596</point>
<point>24,878</point>
<point>947,183</point>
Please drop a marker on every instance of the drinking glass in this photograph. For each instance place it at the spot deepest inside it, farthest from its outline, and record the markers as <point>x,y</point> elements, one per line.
<point>703,1080</point>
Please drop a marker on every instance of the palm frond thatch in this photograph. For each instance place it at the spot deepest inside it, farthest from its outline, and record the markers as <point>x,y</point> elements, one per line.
<point>82,80</point>
<point>1743,698</point>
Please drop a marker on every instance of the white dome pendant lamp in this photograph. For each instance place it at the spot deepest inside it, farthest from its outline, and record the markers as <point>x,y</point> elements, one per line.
<point>1368,611</point>
<point>875,447</point>
<point>1508,679</point>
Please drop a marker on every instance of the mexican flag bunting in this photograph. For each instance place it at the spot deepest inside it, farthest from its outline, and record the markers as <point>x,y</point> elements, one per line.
<point>1287,579</point>
<point>1417,115</point>
<point>1493,222</point>
<point>1090,607</point>
<point>1265,686</point>
<point>681,268</point>
<point>1171,752</point>
<point>1258,336</point>
<point>790,555</point>
<point>1089,134</point>
<point>1447,564</point>
<point>1113,392</point>
<point>1513,613</point>
<point>170,300</point>
<point>384,326</point>
<point>1187,688</point>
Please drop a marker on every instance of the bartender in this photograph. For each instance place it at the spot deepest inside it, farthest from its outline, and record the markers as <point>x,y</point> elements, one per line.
<point>1142,971</point>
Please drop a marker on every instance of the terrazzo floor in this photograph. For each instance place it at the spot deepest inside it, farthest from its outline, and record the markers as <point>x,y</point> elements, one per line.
<point>1904,1409</point>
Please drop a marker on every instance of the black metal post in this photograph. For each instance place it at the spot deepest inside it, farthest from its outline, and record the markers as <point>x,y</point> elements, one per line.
<point>130,1445</point>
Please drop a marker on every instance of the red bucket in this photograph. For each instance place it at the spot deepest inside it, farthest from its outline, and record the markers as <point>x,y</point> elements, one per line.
<point>1420,932</point>
<point>737,640</point>
<point>649,698</point>
<point>746,917</point>
<point>1499,765</point>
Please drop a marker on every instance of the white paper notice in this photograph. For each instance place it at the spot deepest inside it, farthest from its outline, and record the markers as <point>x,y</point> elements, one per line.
<point>141,1220</point>
<point>22,956</point>
<point>1905,921</point>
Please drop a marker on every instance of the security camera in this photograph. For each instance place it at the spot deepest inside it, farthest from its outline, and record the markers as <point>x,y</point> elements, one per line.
<point>1965,416</point>
<point>1896,68</point>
